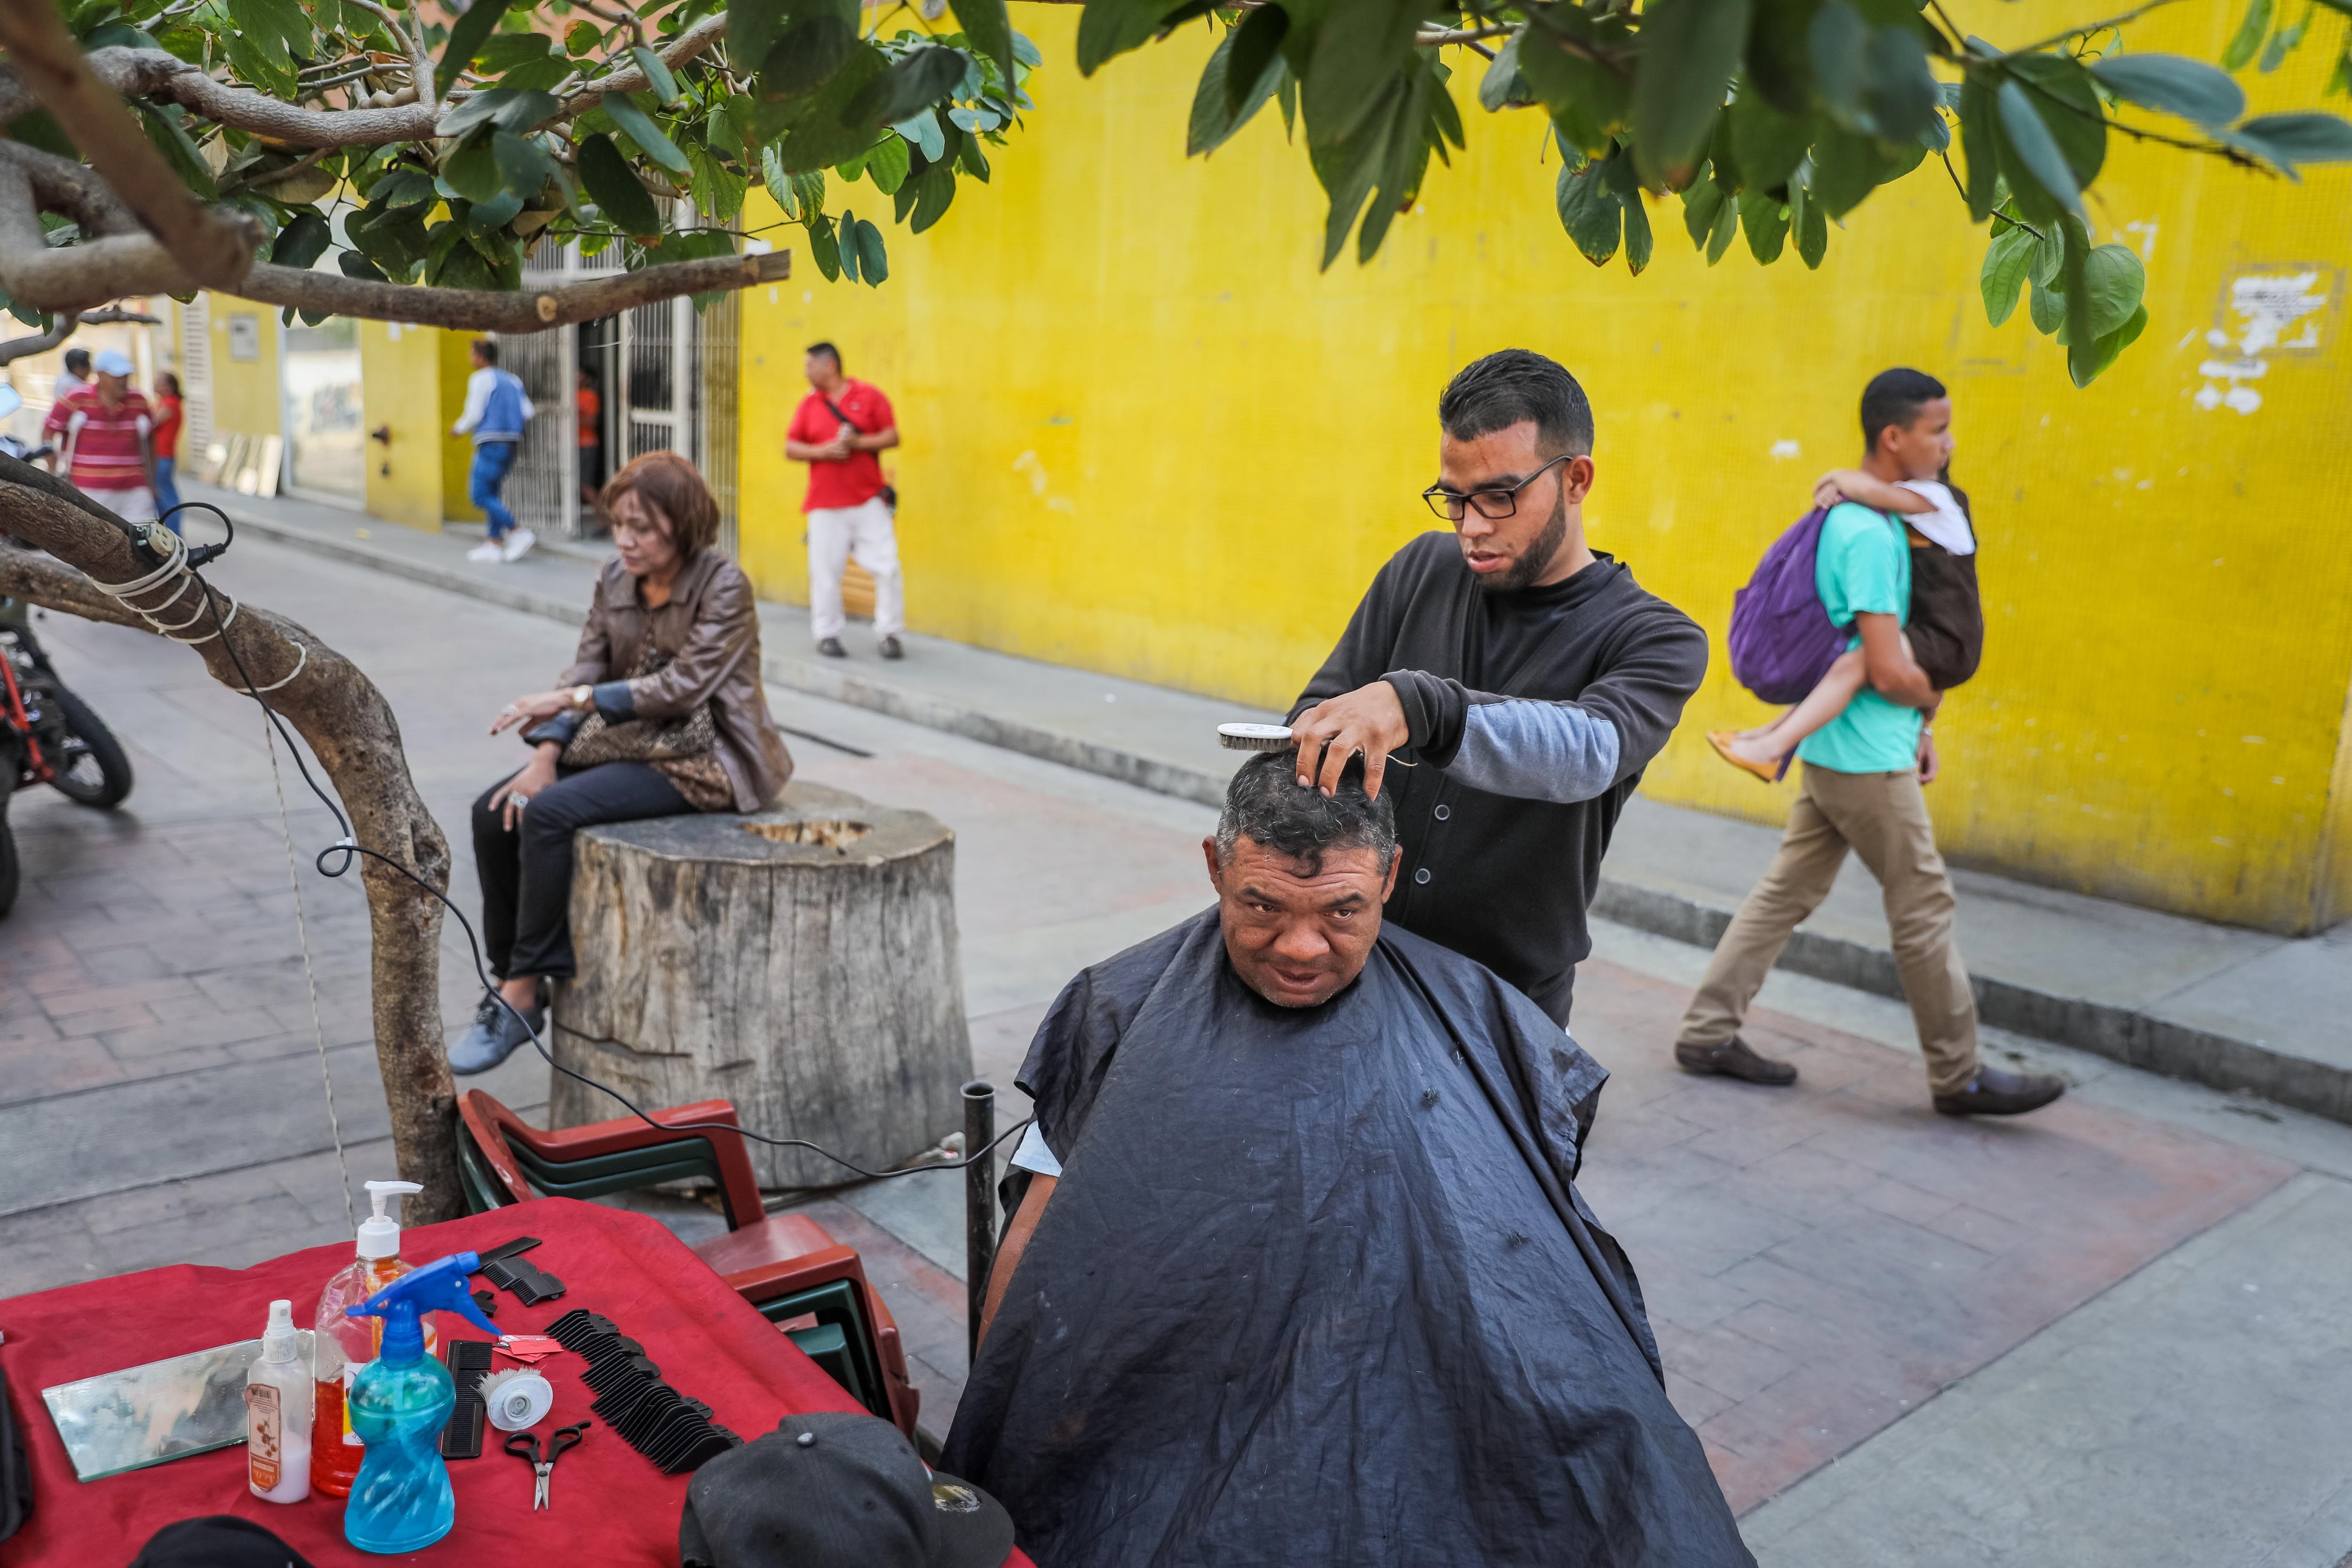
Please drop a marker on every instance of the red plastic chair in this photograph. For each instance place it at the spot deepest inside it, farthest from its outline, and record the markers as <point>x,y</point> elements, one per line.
<point>762,1256</point>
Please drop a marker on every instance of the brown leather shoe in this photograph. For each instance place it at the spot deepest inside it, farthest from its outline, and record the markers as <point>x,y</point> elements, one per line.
<point>1993,1092</point>
<point>1735,1059</point>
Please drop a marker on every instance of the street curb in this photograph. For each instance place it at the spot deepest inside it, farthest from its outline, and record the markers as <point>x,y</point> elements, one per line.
<point>2135,1039</point>
<point>2120,1033</point>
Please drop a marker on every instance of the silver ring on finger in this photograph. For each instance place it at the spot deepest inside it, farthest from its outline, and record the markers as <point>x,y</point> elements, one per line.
<point>519,800</point>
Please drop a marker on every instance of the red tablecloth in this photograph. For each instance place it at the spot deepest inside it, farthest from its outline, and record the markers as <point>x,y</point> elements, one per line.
<point>610,1506</point>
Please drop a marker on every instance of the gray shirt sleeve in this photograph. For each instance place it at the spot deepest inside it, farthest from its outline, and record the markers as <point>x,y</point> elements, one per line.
<point>1536,750</point>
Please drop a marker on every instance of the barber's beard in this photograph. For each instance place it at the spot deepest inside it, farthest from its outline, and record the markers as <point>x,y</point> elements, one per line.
<point>1536,558</point>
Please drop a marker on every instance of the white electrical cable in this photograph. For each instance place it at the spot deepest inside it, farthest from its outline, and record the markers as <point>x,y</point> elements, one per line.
<point>175,564</point>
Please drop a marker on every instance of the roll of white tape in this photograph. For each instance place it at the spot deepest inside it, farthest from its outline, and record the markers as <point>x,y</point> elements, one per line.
<point>519,1398</point>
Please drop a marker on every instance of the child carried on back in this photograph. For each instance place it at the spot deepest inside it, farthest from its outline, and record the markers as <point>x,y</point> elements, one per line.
<point>1945,627</point>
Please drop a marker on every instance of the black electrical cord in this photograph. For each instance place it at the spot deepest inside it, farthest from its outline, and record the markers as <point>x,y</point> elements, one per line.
<point>349,848</point>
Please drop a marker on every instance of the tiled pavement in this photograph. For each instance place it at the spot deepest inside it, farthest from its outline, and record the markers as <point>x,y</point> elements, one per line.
<point>1819,1262</point>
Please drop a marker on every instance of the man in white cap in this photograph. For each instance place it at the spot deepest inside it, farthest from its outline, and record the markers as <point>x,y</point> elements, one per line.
<point>105,434</point>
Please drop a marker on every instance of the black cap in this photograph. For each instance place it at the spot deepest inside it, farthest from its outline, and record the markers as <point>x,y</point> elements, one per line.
<point>221,1540</point>
<point>838,1490</point>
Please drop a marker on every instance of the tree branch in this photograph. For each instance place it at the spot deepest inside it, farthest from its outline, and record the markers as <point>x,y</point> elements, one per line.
<point>493,310</point>
<point>66,325</point>
<point>151,73</point>
<point>351,729</point>
<point>2112,22</point>
<point>212,247</point>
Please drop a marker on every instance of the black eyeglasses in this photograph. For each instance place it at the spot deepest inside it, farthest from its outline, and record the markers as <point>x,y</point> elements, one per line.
<point>1493,505</point>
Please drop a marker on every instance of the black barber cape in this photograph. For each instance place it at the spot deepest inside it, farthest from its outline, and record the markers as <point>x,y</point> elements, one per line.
<point>1305,1296</point>
<point>1505,879</point>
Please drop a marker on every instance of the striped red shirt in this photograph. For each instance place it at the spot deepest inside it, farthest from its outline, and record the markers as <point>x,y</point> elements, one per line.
<point>105,450</point>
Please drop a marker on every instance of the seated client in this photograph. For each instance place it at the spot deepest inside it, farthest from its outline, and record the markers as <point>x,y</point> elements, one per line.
<point>1298,1278</point>
<point>660,713</point>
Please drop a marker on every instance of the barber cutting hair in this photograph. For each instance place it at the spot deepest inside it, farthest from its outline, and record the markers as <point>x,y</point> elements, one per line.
<point>1299,1277</point>
<point>1529,676</point>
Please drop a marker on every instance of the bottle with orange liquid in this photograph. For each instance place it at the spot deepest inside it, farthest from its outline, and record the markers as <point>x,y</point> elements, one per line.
<point>344,1344</point>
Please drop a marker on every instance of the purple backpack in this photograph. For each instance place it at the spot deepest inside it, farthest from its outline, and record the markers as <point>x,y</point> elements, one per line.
<point>1781,639</point>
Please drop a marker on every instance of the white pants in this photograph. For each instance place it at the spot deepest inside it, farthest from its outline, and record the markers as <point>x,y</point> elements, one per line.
<point>131,506</point>
<point>836,534</point>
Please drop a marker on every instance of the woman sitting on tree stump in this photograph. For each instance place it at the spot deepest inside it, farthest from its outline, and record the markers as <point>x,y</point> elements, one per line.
<point>660,713</point>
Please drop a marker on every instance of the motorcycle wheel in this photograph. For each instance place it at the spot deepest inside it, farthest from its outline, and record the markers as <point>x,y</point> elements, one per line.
<point>93,771</point>
<point>8,871</point>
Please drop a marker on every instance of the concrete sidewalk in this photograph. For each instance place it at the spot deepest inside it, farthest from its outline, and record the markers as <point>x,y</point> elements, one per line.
<point>2220,1005</point>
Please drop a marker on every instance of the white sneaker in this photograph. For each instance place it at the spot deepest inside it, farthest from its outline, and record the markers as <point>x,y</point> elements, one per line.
<point>519,544</point>
<point>488,550</point>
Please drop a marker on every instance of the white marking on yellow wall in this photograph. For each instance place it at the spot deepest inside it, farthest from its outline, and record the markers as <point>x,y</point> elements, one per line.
<point>1027,463</point>
<point>2268,312</point>
<point>1784,450</point>
<point>2146,229</point>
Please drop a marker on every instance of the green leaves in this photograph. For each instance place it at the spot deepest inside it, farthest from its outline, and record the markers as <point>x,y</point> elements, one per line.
<point>1255,64</point>
<point>302,241</point>
<point>604,175</point>
<point>1218,109</point>
<point>507,107</point>
<point>640,129</point>
<point>1599,203</point>
<point>801,46</point>
<point>2290,140</point>
<point>1589,102</point>
<point>658,75</point>
<point>989,27</point>
<point>2173,84</point>
<point>2248,36</point>
<point>1382,160</point>
<point>2033,162</point>
<point>1107,28</point>
<point>817,134</point>
<point>466,36</point>
<point>919,79</point>
<point>1689,50</point>
<point>1767,144</point>
<point>861,256</point>
<point>2006,261</point>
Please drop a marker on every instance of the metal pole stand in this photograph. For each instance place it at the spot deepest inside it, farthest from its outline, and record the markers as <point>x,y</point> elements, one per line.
<point>979,1203</point>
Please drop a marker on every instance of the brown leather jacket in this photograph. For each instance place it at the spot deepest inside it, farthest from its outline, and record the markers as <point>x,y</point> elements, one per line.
<point>710,629</point>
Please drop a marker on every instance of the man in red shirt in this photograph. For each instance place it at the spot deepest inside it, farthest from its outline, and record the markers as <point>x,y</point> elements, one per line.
<point>839,427</point>
<point>108,444</point>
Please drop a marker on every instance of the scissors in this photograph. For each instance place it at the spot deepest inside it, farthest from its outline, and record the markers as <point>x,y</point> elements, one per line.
<point>525,1445</point>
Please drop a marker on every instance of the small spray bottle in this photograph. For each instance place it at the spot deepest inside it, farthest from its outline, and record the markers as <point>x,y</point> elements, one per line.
<point>278,1414</point>
<point>399,1403</point>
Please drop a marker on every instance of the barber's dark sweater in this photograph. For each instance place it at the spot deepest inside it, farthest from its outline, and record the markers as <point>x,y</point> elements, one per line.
<point>1532,715</point>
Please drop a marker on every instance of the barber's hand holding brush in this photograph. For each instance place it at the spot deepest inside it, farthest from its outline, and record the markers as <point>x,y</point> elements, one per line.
<point>1367,720</point>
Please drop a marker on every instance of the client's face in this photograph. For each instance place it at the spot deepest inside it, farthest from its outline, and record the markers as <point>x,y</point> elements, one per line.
<point>1298,932</point>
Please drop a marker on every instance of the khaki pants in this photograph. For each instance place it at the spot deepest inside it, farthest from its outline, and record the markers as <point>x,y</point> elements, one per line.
<point>1883,817</point>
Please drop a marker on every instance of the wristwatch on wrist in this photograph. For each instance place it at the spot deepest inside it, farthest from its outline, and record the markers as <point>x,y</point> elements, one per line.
<point>582,695</point>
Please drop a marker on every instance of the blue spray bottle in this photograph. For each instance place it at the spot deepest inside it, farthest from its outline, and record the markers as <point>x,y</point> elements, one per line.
<point>399,1403</point>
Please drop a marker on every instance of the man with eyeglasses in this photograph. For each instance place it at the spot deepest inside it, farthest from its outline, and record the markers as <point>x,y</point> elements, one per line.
<point>1525,677</point>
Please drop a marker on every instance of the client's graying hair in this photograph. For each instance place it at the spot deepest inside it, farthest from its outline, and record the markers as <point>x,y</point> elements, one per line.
<point>1265,803</point>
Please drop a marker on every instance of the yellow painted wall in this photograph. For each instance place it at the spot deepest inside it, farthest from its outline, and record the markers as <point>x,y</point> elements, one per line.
<point>407,389</point>
<point>245,399</point>
<point>1144,436</point>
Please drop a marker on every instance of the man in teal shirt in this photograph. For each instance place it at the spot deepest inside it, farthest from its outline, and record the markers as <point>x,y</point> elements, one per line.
<point>1861,790</point>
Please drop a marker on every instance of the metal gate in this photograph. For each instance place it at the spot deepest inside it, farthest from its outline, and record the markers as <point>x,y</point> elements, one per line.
<point>668,374</point>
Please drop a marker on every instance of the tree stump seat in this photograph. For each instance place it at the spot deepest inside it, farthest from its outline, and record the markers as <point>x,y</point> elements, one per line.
<point>801,962</point>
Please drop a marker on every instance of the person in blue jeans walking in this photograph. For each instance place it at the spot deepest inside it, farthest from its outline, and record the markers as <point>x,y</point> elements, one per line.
<point>497,409</point>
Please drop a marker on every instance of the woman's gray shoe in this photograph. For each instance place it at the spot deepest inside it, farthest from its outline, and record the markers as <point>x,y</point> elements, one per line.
<point>494,1036</point>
